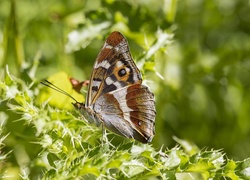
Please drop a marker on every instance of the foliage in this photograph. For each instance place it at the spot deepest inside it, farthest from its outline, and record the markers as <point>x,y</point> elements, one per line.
<point>65,147</point>
<point>194,56</point>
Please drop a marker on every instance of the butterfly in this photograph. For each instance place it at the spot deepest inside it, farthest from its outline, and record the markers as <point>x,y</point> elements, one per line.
<point>116,98</point>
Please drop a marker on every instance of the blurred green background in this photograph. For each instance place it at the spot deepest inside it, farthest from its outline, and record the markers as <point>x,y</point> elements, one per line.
<point>199,73</point>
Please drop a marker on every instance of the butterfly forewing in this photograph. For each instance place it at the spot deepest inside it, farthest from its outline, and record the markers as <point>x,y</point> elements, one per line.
<point>114,68</point>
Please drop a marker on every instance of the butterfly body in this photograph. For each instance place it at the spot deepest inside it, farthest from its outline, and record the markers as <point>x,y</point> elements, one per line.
<point>116,98</point>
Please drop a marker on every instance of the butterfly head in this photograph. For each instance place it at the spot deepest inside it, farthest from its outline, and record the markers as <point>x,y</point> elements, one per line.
<point>79,106</point>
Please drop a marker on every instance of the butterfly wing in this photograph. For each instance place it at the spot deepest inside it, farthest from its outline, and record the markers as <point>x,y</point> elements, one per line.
<point>129,111</point>
<point>114,68</point>
<point>116,97</point>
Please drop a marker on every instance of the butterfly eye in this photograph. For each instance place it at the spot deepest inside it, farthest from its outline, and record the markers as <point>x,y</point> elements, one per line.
<point>122,72</point>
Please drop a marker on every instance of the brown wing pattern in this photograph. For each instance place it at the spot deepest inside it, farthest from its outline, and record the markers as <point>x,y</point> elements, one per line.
<point>114,68</point>
<point>116,97</point>
<point>130,112</point>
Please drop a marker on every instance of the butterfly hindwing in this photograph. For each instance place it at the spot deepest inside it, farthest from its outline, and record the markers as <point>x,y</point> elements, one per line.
<point>129,111</point>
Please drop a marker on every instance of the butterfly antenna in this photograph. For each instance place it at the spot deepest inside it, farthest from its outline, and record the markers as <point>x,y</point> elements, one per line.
<point>52,86</point>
